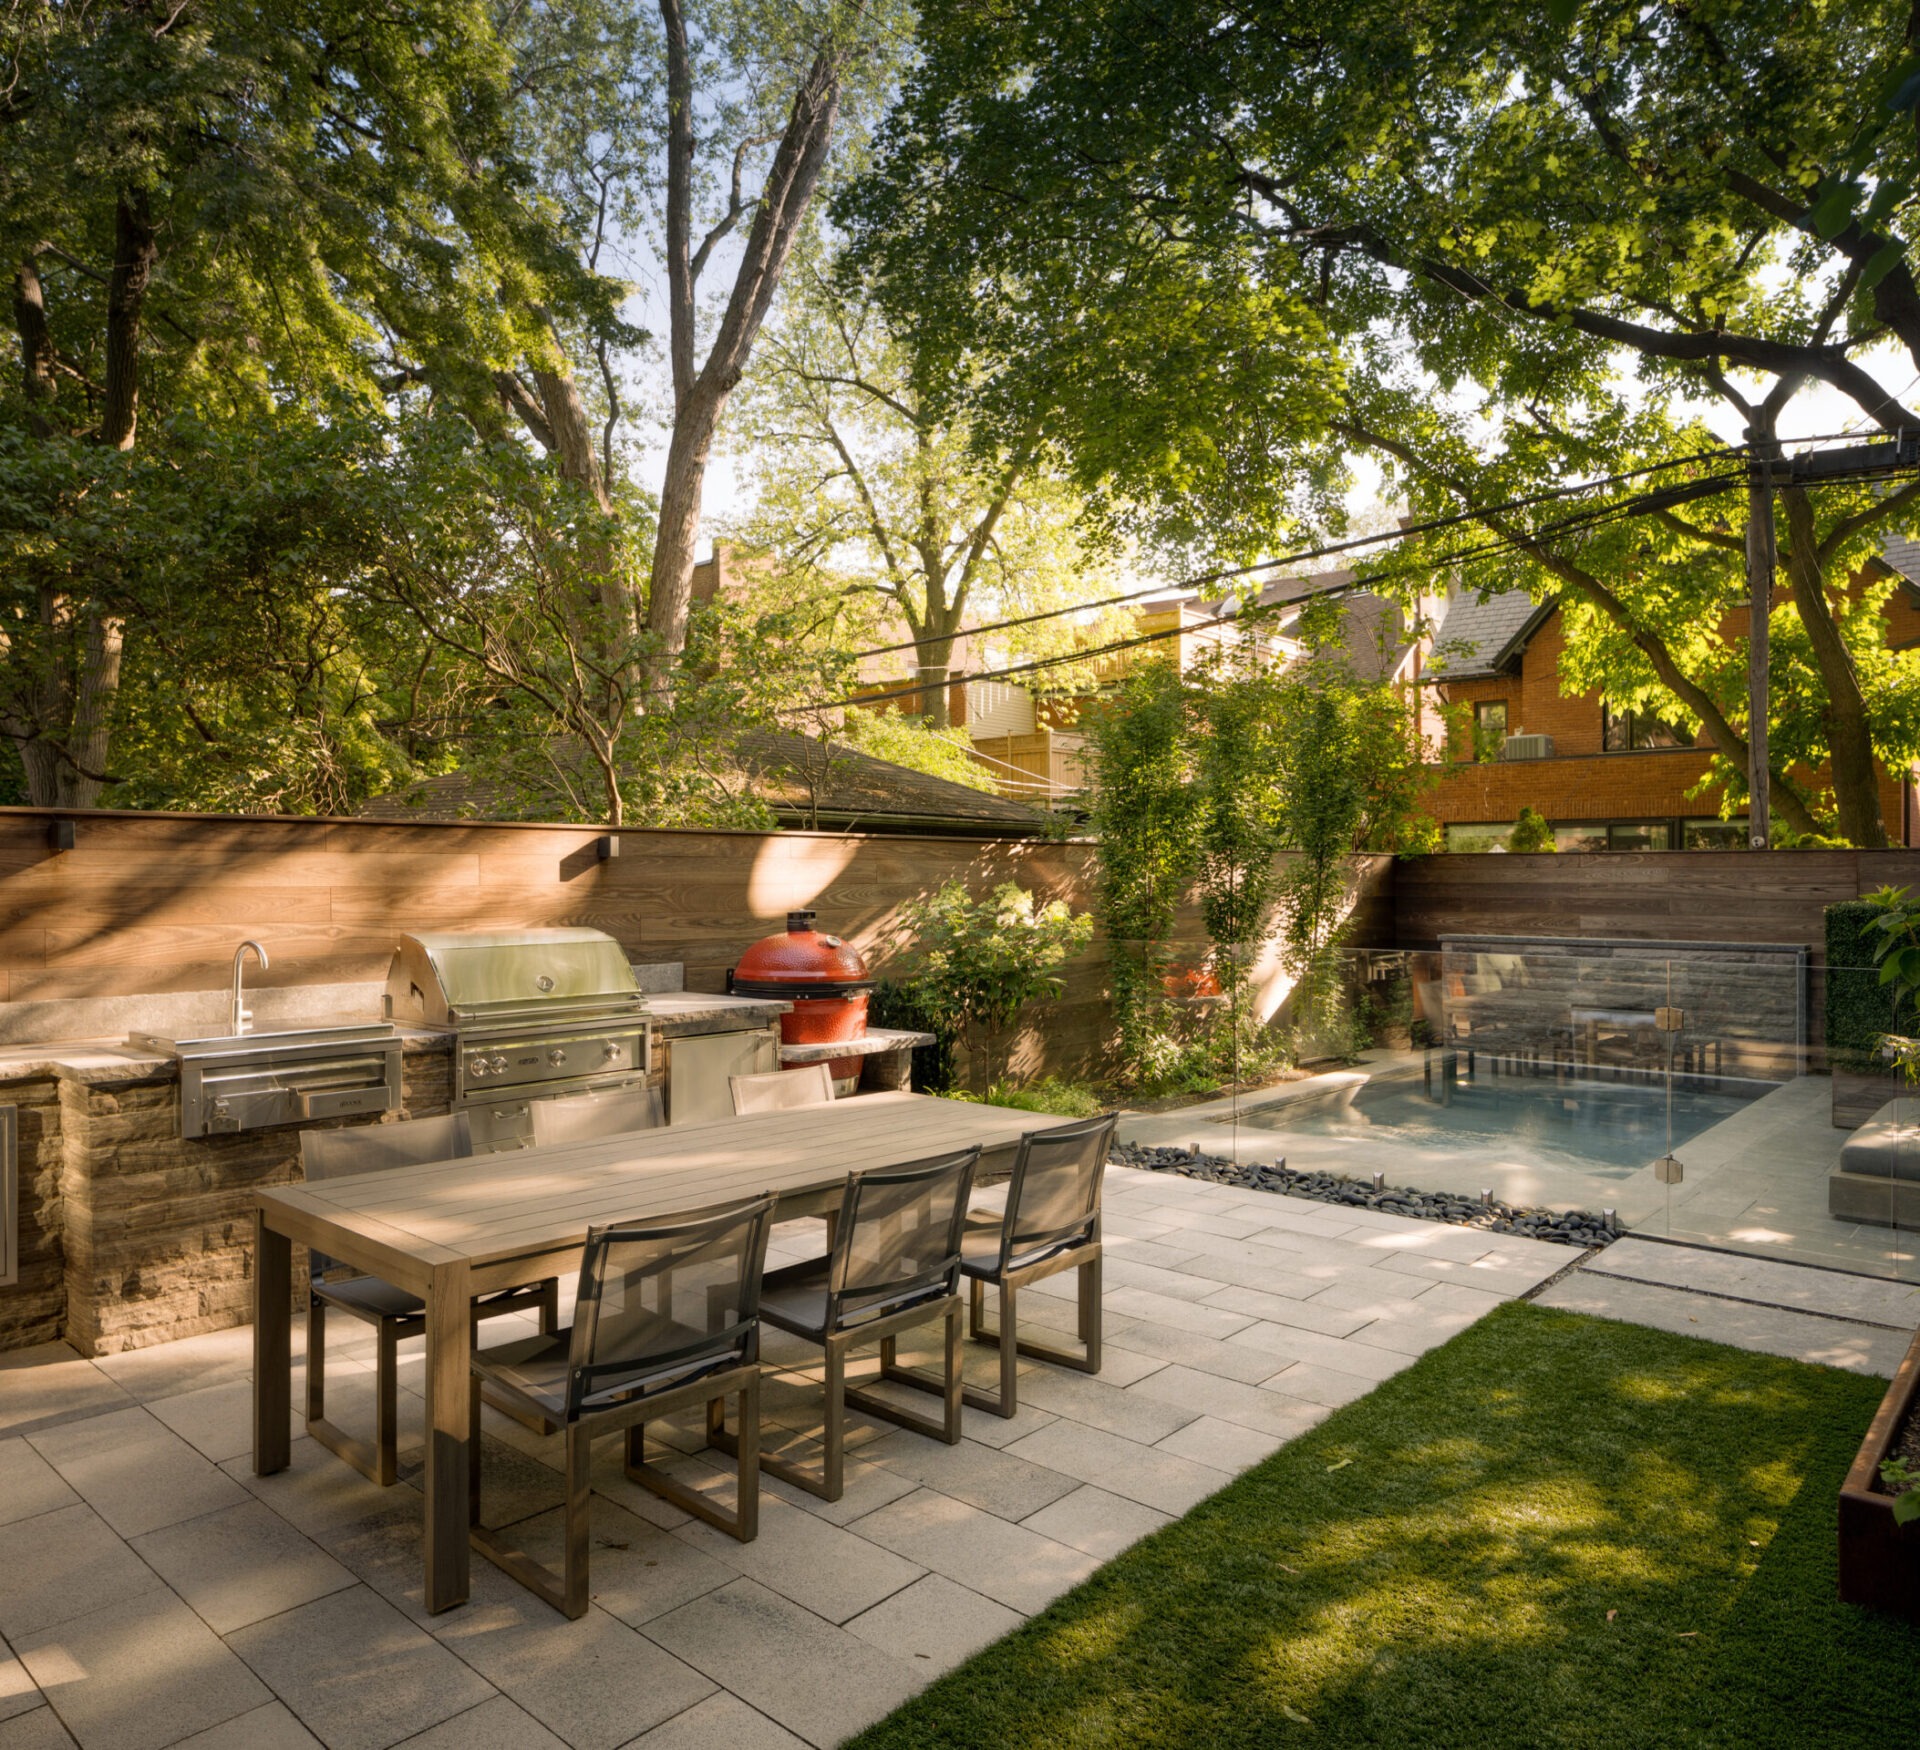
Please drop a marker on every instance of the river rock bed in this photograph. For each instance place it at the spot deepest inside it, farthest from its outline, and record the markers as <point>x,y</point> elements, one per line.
<point>1575,1227</point>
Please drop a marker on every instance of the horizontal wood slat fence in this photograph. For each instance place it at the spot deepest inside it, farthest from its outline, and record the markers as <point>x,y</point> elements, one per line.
<point>155,902</point>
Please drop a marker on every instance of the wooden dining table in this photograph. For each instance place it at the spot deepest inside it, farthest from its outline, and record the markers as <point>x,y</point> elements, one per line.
<point>449,1230</point>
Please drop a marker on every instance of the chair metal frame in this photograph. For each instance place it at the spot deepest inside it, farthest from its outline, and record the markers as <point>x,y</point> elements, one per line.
<point>378,1459</point>
<point>567,1591</point>
<point>935,1294</point>
<point>1057,1251</point>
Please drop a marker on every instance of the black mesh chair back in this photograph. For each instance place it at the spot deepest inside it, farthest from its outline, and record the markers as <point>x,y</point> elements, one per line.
<point>1054,1198</point>
<point>584,1117</point>
<point>898,1241</point>
<point>374,1148</point>
<point>661,1306</point>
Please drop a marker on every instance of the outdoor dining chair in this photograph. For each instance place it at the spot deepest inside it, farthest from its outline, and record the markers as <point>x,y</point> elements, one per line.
<point>667,1317</point>
<point>894,1264</point>
<point>782,1090</point>
<point>583,1117</point>
<point>394,1313</point>
<point>1051,1223</point>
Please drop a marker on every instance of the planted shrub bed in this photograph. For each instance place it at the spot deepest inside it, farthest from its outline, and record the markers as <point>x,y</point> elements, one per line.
<point>1576,1227</point>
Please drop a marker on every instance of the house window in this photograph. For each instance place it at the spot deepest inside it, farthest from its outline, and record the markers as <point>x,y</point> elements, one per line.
<point>1579,837</point>
<point>1637,835</point>
<point>1489,728</point>
<point>1628,731</point>
<point>1479,836</point>
<point>1714,835</point>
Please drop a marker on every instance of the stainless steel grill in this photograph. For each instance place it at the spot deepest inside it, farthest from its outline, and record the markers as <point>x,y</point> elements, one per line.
<point>534,1014</point>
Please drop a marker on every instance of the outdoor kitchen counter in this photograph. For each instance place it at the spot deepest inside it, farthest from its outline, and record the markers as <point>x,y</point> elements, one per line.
<point>679,1014</point>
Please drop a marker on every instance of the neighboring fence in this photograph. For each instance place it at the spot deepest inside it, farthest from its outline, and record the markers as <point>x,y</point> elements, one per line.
<point>154,902</point>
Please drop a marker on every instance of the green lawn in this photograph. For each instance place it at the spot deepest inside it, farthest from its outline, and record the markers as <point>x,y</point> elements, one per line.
<point>1552,1531</point>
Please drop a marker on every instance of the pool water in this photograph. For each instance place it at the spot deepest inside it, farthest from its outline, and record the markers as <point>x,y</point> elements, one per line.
<point>1607,1127</point>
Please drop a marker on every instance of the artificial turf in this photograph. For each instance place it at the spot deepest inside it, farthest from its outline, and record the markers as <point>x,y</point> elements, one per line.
<point>1552,1531</point>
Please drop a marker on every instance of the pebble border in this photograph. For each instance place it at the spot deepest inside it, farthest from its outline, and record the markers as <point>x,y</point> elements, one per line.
<point>1567,1227</point>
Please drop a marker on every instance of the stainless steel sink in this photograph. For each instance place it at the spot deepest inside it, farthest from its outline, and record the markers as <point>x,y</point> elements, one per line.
<point>274,1037</point>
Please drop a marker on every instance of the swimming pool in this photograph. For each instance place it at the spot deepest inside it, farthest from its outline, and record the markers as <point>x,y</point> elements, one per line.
<point>1608,1127</point>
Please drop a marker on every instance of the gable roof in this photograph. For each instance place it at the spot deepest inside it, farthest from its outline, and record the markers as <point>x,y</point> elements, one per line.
<point>1900,554</point>
<point>1480,638</point>
<point>856,792</point>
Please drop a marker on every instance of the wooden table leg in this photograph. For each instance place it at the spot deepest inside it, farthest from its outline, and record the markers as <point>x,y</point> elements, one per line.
<point>272,1347</point>
<point>449,1360</point>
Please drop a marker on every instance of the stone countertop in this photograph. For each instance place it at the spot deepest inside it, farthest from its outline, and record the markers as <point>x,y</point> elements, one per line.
<point>677,1014</point>
<point>876,1042</point>
<point>114,1060</point>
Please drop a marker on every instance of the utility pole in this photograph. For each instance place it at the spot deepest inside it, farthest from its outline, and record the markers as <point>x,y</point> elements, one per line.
<point>1760,565</point>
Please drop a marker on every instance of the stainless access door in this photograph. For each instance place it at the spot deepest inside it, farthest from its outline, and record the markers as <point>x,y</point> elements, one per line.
<point>698,1068</point>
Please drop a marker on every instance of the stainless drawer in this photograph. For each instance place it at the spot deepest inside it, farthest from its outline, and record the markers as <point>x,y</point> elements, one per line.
<point>237,1092</point>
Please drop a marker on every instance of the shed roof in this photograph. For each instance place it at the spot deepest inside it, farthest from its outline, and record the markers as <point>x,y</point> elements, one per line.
<point>855,792</point>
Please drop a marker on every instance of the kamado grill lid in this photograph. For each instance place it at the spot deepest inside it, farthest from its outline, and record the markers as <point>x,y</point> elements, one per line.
<point>800,963</point>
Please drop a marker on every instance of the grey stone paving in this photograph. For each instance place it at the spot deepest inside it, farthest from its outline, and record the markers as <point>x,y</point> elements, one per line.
<point>154,1592</point>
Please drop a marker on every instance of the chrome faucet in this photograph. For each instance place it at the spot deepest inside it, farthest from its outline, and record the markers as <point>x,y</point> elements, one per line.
<point>241,1013</point>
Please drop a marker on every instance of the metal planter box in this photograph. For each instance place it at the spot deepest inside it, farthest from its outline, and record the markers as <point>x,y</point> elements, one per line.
<point>1879,1560</point>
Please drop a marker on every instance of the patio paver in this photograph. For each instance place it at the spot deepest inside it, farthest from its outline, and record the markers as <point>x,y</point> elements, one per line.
<point>289,1609</point>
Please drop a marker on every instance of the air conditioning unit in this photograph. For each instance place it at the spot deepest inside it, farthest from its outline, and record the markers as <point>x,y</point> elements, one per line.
<point>1527,747</point>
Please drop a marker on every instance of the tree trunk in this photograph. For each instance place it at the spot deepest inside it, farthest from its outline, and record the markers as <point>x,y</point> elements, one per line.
<point>134,255</point>
<point>1856,780</point>
<point>699,400</point>
<point>36,347</point>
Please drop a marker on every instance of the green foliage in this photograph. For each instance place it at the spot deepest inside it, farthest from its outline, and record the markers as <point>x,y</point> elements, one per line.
<point>1486,1552</point>
<point>916,744</point>
<point>1531,832</point>
<point>1903,1482</point>
<point>864,479</point>
<point>1894,929</point>
<point>902,1004</point>
<point>1859,1008</point>
<point>982,962</point>
<point>1145,817</point>
<point>1049,1094</point>
<point>1594,232</point>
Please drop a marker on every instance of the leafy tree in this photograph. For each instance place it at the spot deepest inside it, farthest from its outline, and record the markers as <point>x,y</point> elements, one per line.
<point>861,475</point>
<point>1498,249</point>
<point>1145,818</point>
<point>211,212</point>
<point>983,962</point>
<point>1531,832</point>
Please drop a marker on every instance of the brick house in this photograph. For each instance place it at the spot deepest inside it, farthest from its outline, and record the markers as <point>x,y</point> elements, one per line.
<point>1605,779</point>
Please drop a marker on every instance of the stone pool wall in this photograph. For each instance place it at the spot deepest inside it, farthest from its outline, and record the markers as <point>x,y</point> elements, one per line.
<point>1745,1003</point>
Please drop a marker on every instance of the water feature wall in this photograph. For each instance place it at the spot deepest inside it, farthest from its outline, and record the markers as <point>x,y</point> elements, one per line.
<point>1594,1003</point>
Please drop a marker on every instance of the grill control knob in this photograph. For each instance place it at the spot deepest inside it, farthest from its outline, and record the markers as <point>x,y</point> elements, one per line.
<point>476,1066</point>
<point>556,1057</point>
<point>611,1050</point>
<point>497,1064</point>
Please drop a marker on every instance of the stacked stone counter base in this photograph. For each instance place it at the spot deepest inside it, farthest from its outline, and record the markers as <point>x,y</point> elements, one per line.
<point>1575,1227</point>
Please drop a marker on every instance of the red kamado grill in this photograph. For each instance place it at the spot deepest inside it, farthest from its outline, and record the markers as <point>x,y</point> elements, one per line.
<point>826,982</point>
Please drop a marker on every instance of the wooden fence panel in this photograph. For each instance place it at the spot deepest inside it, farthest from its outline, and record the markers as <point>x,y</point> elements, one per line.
<point>148,903</point>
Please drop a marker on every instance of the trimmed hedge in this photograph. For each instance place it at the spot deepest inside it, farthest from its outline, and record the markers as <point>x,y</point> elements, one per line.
<point>1859,1007</point>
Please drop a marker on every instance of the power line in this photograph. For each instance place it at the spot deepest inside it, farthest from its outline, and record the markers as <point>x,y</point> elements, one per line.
<point>1567,525</point>
<point>1431,525</point>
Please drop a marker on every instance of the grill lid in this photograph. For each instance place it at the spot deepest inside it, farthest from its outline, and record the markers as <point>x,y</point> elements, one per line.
<point>800,963</point>
<point>447,978</point>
